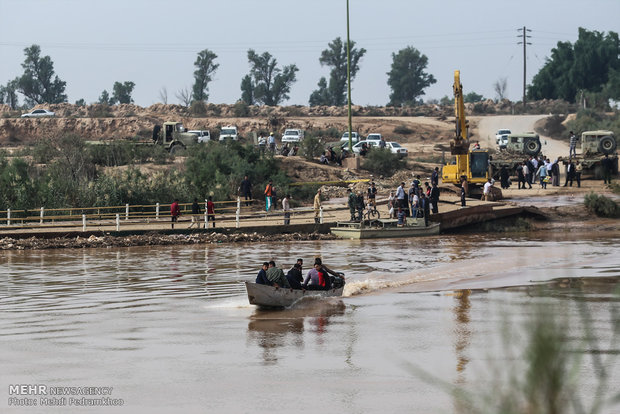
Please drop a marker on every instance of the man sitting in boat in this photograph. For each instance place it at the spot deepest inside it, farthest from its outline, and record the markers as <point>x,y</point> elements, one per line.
<point>294,276</point>
<point>261,278</point>
<point>318,277</point>
<point>276,276</point>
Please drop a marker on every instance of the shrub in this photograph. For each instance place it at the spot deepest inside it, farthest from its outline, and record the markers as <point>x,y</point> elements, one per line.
<point>601,206</point>
<point>241,109</point>
<point>311,147</point>
<point>198,108</point>
<point>383,162</point>
<point>403,130</point>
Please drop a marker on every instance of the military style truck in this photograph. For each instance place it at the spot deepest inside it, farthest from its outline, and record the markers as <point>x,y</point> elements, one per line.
<point>518,148</point>
<point>594,146</point>
<point>173,136</point>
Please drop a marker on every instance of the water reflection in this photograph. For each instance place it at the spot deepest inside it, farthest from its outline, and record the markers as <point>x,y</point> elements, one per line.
<point>274,329</point>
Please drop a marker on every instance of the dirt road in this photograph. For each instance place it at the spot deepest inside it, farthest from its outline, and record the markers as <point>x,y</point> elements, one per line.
<point>488,125</point>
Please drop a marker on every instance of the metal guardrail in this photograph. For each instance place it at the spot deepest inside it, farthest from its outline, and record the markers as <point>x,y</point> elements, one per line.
<point>231,211</point>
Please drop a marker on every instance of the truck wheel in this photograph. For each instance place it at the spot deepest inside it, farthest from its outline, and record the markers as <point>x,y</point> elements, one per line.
<point>607,145</point>
<point>532,147</point>
<point>176,149</point>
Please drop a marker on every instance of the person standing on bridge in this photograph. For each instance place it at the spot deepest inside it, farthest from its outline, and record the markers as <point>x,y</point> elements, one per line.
<point>317,207</point>
<point>195,214</point>
<point>268,193</point>
<point>210,212</point>
<point>572,152</point>
<point>286,207</point>
<point>245,190</point>
<point>175,212</point>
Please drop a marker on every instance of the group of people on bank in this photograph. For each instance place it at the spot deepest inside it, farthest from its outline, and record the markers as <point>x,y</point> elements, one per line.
<point>317,278</point>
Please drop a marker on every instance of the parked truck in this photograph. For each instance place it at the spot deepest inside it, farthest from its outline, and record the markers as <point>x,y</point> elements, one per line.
<point>173,136</point>
<point>594,146</point>
<point>518,148</point>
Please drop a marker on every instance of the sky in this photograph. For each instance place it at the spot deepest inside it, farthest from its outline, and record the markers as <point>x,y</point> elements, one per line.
<point>154,43</point>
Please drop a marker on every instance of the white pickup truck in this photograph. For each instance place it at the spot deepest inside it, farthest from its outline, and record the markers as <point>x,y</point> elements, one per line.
<point>501,138</point>
<point>203,135</point>
<point>293,135</point>
<point>229,132</point>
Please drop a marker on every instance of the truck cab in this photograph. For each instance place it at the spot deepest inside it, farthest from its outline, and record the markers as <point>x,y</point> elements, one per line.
<point>292,135</point>
<point>229,132</point>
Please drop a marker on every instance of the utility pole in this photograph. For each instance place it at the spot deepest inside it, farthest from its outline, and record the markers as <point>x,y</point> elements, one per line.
<point>523,35</point>
<point>349,83</point>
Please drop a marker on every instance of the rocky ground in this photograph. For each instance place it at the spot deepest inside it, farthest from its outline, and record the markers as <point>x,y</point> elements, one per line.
<point>151,239</point>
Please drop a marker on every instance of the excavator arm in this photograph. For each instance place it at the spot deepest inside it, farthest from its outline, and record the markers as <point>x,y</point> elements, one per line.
<point>460,144</point>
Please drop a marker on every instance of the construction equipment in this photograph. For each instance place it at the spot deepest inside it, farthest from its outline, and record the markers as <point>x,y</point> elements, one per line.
<point>472,165</point>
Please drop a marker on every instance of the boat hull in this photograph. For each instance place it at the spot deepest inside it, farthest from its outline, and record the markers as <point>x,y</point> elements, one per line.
<point>391,232</point>
<point>273,297</point>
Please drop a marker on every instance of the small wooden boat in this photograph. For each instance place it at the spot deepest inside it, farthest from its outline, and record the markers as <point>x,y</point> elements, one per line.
<point>382,228</point>
<point>273,297</point>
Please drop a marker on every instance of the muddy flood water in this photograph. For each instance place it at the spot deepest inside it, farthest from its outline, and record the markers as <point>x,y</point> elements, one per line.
<point>428,325</point>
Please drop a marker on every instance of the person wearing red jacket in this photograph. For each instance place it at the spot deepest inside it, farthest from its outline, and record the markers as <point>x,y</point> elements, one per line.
<point>175,211</point>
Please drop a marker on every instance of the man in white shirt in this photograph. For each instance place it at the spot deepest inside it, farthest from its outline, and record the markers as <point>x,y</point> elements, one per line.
<point>401,197</point>
<point>286,207</point>
<point>486,191</point>
<point>272,143</point>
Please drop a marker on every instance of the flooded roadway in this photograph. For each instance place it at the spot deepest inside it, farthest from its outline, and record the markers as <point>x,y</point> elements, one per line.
<point>169,328</point>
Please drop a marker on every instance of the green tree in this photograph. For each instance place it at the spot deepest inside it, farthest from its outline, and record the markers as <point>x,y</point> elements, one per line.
<point>321,95</point>
<point>472,97</point>
<point>247,90</point>
<point>8,94</point>
<point>587,65</point>
<point>335,56</point>
<point>105,99</point>
<point>39,84</point>
<point>408,77</point>
<point>121,92</point>
<point>80,102</point>
<point>205,68</point>
<point>269,84</point>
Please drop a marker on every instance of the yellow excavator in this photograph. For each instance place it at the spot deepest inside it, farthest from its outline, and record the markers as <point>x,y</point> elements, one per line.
<point>474,164</point>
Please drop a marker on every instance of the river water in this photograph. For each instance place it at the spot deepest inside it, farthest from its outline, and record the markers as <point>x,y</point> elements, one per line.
<point>170,329</point>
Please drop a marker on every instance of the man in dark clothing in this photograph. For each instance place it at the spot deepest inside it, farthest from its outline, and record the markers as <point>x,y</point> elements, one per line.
<point>294,276</point>
<point>434,198</point>
<point>435,176</point>
<point>195,214</point>
<point>570,173</point>
<point>503,177</point>
<point>607,167</point>
<point>245,190</point>
<point>425,207</point>
<point>530,172</point>
<point>520,176</point>
<point>352,202</point>
<point>261,278</point>
<point>360,205</point>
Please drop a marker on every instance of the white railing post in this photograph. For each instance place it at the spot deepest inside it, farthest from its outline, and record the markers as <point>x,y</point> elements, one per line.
<point>118,222</point>
<point>238,211</point>
<point>42,213</point>
<point>126,211</point>
<point>8,216</point>
<point>83,222</point>
<point>321,214</point>
<point>157,211</point>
